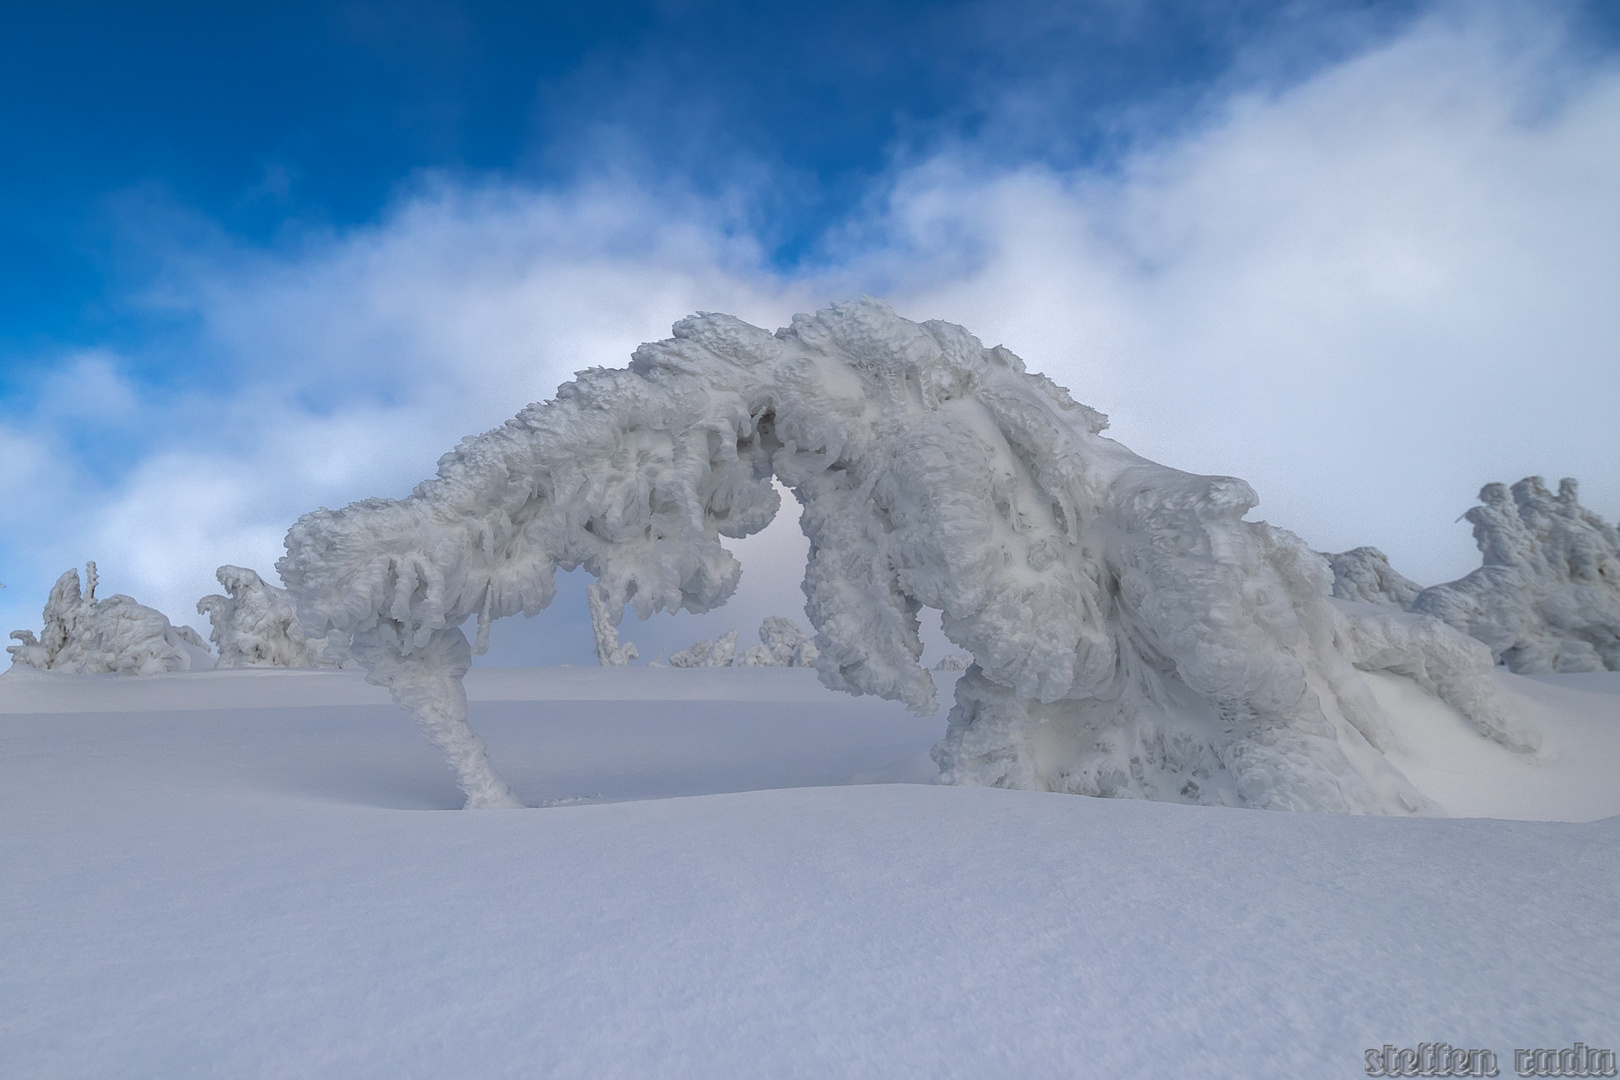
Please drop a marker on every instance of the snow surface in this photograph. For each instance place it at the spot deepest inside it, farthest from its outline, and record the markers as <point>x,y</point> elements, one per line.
<point>1132,634</point>
<point>242,873</point>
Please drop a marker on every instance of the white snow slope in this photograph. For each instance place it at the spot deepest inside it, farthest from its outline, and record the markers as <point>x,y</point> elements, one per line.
<point>242,874</point>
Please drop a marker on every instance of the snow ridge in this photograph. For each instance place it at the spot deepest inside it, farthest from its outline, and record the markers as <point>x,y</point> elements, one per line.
<point>1132,634</point>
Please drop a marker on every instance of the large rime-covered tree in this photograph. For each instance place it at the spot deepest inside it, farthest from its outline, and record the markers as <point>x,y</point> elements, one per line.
<point>1132,634</point>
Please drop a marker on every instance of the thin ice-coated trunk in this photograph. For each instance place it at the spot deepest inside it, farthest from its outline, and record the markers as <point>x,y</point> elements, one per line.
<point>427,684</point>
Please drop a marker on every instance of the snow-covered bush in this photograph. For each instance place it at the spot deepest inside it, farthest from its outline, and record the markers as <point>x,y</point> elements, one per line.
<point>1547,597</point>
<point>782,643</point>
<point>1132,633</point>
<point>1364,575</point>
<point>87,636</point>
<point>715,652</point>
<point>609,653</point>
<point>256,625</point>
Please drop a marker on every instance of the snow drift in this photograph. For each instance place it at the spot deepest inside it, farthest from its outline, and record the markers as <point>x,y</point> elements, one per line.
<point>1132,634</point>
<point>86,636</point>
<point>256,625</point>
<point>1548,595</point>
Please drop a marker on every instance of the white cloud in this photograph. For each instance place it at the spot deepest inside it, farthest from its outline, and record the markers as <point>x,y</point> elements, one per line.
<point>1366,294</point>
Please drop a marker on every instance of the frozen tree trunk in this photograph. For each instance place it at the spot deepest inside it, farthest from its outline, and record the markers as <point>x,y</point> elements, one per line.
<point>609,653</point>
<point>428,685</point>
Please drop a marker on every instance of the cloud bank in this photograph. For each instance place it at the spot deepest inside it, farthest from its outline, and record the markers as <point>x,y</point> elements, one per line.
<point>1367,292</point>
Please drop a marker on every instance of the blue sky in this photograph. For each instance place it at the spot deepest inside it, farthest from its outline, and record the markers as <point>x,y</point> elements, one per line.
<point>254,262</point>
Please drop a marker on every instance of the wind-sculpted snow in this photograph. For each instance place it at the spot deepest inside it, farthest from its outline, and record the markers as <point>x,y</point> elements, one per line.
<point>1548,595</point>
<point>1132,634</point>
<point>1364,575</point>
<point>256,625</point>
<point>86,636</point>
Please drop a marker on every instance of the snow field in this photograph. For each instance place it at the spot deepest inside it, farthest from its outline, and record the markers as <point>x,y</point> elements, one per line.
<point>196,890</point>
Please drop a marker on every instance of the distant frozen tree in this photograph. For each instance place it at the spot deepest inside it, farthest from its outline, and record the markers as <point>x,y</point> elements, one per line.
<point>954,662</point>
<point>609,653</point>
<point>256,625</point>
<point>718,652</point>
<point>1547,597</point>
<point>1132,634</point>
<point>1363,574</point>
<point>782,643</point>
<point>87,636</point>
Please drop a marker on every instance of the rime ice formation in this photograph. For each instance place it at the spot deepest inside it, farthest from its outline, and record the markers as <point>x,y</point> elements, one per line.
<point>87,636</point>
<point>715,652</point>
<point>1364,575</point>
<point>255,625</point>
<point>1548,595</point>
<point>782,643</point>
<point>1132,634</point>
<point>604,624</point>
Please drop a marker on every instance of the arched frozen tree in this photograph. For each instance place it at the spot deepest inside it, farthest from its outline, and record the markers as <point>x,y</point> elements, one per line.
<point>1132,634</point>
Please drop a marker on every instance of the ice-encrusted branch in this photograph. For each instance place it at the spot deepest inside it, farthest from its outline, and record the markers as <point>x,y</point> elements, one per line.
<point>1132,633</point>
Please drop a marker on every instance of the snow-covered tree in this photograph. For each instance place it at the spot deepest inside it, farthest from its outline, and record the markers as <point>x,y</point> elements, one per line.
<point>782,643</point>
<point>1547,597</point>
<point>1132,633</point>
<point>87,636</point>
<point>715,652</point>
<point>256,625</point>
<point>1364,575</point>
